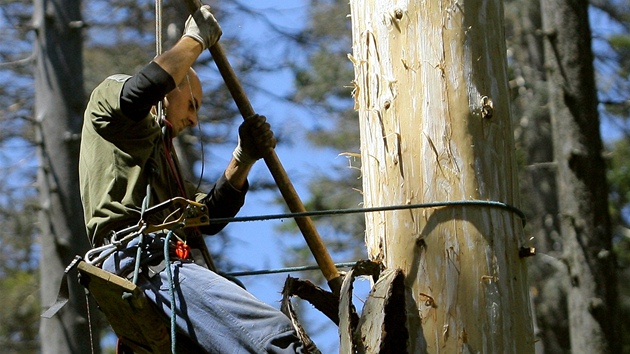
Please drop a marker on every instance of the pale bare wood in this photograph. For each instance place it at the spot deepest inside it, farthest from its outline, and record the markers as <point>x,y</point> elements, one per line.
<point>433,102</point>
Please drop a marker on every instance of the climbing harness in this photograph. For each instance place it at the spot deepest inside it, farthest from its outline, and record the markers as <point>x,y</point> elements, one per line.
<point>191,214</point>
<point>188,213</point>
<point>123,302</point>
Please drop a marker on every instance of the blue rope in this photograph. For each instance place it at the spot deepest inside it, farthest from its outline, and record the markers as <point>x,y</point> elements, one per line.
<point>171,285</point>
<point>488,203</point>
<point>286,270</point>
<point>145,204</point>
<point>136,270</point>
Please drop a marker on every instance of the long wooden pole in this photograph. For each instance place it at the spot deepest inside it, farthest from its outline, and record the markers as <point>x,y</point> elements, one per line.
<point>306,225</point>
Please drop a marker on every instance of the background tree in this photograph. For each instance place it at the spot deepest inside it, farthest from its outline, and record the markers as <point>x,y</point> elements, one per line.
<point>19,277</point>
<point>59,102</point>
<point>121,42</point>
<point>537,173</point>
<point>611,42</point>
<point>582,188</point>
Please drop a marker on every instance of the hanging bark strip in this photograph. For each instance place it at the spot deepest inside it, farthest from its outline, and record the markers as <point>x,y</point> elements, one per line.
<point>388,315</point>
<point>306,225</point>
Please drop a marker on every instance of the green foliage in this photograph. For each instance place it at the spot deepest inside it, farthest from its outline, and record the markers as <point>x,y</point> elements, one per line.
<point>327,77</point>
<point>323,83</point>
<point>620,43</point>
<point>619,181</point>
<point>325,80</point>
<point>343,137</point>
<point>616,99</point>
<point>19,314</point>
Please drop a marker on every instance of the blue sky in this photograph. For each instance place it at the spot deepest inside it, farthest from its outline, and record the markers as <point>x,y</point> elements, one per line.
<point>256,243</point>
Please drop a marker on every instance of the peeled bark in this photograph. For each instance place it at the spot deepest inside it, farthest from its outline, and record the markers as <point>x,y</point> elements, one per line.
<point>431,91</point>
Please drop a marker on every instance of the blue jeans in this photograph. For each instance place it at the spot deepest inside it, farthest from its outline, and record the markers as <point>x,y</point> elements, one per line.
<point>216,313</point>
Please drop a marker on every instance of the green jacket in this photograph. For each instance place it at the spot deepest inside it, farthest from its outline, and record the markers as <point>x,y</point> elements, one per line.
<point>116,162</point>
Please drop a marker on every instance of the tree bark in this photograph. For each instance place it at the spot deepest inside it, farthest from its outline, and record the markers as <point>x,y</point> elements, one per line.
<point>530,114</point>
<point>582,187</point>
<point>59,103</point>
<point>431,91</point>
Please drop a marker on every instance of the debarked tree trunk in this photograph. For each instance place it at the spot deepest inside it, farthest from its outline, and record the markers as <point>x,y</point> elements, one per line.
<point>431,91</point>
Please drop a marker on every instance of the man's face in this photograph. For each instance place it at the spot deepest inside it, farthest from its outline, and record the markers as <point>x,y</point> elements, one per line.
<point>182,104</point>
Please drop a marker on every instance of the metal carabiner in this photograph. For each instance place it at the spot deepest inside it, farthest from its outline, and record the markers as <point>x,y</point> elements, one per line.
<point>192,214</point>
<point>101,253</point>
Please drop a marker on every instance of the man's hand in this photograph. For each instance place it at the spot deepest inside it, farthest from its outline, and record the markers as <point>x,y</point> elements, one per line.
<point>203,27</point>
<point>255,140</point>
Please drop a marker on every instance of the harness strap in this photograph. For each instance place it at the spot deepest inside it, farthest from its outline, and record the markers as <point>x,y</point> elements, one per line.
<point>64,291</point>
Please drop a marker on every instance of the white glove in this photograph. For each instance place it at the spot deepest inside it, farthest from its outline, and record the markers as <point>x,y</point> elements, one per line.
<point>203,27</point>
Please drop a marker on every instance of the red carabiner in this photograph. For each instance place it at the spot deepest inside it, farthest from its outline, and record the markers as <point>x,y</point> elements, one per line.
<point>182,250</point>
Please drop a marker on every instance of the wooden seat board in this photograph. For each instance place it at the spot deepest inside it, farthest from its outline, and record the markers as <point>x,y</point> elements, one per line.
<point>129,312</point>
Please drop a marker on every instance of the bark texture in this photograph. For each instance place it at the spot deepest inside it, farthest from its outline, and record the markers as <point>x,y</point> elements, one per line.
<point>530,114</point>
<point>59,104</point>
<point>431,91</point>
<point>582,187</point>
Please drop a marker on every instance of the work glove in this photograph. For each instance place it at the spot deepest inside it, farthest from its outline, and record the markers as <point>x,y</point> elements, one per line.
<point>203,27</point>
<point>255,140</point>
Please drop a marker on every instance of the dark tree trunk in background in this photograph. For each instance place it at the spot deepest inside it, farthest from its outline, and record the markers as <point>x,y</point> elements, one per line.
<point>59,104</point>
<point>582,186</point>
<point>533,133</point>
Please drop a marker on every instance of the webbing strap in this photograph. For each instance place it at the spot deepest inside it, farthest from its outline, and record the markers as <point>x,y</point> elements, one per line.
<point>64,291</point>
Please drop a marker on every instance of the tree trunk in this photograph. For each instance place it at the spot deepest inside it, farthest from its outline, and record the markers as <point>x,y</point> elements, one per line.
<point>59,103</point>
<point>582,186</point>
<point>433,101</point>
<point>530,114</point>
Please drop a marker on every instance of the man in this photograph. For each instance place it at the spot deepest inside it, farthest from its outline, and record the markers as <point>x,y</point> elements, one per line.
<point>126,148</point>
